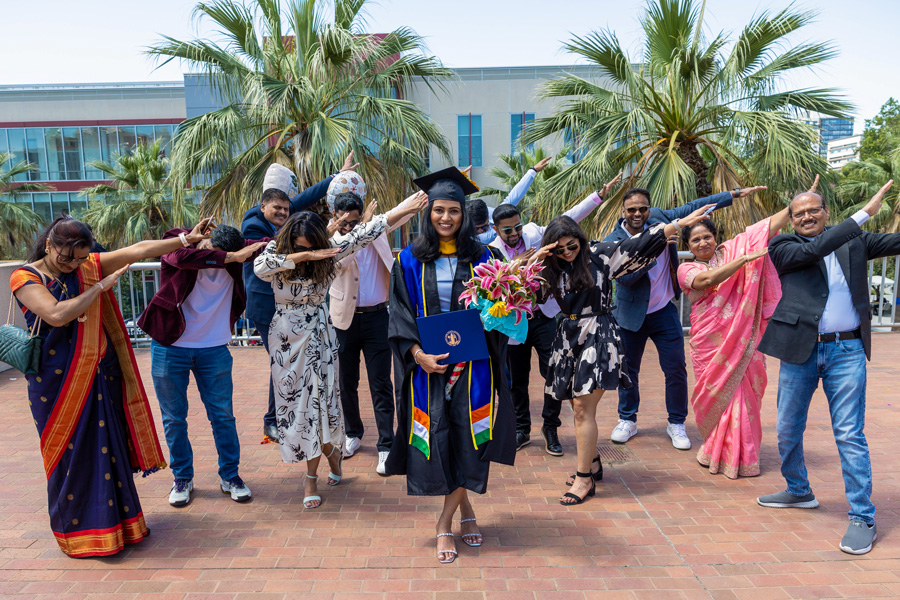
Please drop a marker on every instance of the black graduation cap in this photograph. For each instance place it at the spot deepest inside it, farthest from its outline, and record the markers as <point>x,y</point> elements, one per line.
<point>446,184</point>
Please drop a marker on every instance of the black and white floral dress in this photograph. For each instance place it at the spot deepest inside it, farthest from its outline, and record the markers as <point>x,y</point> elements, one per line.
<point>303,349</point>
<point>587,353</point>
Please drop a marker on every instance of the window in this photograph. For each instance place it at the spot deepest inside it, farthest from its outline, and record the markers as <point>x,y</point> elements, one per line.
<point>516,122</point>
<point>164,133</point>
<point>60,203</point>
<point>90,143</point>
<point>109,144</point>
<point>127,140</point>
<point>469,140</point>
<point>72,146</point>
<point>55,155</point>
<point>34,140</point>
<point>145,134</point>
<point>573,143</point>
<point>42,206</point>
<point>17,149</point>
<point>4,147</point>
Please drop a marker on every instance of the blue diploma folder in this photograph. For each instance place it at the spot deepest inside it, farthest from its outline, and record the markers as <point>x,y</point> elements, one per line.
<point>459,333</point>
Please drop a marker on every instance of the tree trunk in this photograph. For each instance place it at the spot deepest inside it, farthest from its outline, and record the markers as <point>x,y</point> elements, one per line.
<point>691,156</point>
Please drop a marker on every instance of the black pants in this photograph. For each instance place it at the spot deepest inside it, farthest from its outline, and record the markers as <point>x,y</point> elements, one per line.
<point>664,328</point>
<point>368,332</point>
<point>541,332</point>
<point>269,418</point>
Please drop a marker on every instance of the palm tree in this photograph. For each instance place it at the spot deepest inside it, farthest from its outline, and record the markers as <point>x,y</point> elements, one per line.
<point>19,223</point>
<point>515,167</point>
<point>859,182</point>
<point>302,89</point>
<point>691,116</point>
<point>139,201</point>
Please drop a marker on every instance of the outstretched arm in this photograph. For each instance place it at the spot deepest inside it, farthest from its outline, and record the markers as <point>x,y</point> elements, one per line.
<point>112,261</point>
<point>713,277</point>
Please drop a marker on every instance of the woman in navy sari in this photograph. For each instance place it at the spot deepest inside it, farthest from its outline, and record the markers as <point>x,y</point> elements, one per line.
<point>87,400</point>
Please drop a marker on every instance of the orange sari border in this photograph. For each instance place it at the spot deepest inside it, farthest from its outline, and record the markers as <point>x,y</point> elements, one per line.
<point>79,381</point>
<point>103,542</point>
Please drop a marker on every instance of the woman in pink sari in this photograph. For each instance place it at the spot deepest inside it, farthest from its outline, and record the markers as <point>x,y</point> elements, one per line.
<point>733,288</point>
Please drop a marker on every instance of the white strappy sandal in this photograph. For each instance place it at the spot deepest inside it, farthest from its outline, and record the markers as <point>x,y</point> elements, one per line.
<point>331,476</point>
<point>453,552</point>
<point>309,499</point>
<point>470,535</point>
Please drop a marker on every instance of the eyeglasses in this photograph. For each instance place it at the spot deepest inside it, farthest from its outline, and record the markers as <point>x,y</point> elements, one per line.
<point>63,259</point>
<point>637,209</point>
<point>482,228</point>
<point>812,212</point>
<point>509,230</point>
<point>349,224</point>
<point>573,247</point>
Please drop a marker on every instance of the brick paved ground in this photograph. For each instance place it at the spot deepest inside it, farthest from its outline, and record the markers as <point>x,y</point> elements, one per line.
<point>661,527</point>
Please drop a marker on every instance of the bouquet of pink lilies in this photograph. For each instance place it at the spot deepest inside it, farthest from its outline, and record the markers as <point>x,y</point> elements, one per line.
<point>504,292</point>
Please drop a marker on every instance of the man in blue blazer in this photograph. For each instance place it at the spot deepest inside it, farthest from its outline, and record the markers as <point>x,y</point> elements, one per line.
<point>263,221</point>
<point>644,309</point>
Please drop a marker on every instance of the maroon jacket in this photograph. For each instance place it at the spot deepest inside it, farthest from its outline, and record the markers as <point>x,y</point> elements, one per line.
<point>163,320</point>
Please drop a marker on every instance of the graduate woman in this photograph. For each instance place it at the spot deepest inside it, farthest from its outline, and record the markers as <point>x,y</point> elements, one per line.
<point>444,445</point>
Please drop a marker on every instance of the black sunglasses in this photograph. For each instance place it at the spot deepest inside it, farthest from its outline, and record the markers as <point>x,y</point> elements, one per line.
<point>637,209</point>
<point>573,247</point>
<point>349,224</point>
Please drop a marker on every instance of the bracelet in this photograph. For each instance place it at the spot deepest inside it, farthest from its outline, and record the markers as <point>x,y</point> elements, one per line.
<point>676,225</point>
<point>183,238</point>
<point>100,285</point>
<point>415,354</point>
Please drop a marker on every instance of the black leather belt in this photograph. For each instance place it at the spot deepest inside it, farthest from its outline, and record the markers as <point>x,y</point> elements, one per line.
<point>844,335</point>
<point>373,308</point>
<point>591,314</point>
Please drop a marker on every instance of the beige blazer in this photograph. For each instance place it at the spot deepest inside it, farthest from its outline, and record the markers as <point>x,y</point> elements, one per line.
<point>345,287</point>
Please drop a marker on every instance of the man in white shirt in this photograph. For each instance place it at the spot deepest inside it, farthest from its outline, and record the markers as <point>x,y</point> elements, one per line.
<point>359,312</point>
<point>515,240</point>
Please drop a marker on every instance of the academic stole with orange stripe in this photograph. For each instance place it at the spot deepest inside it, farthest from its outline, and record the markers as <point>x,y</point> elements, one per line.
<point>479,382</point>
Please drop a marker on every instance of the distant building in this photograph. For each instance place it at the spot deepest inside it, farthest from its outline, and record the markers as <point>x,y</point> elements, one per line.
<point>828,128</point>
<point>842,151</point>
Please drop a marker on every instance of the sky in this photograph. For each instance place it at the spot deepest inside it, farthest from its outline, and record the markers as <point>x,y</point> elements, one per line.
<point>90,41</point>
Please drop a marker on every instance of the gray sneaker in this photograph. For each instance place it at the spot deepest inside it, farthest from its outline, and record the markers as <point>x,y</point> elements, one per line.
<point>786,500</point>
<point>859,537</point>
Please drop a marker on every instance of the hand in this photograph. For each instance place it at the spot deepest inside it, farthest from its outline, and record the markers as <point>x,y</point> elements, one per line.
<point>244,253</point>
<point>369,212</point>
<point>543,163</point>
<point>606,189</point>
<point>415,203</point>
<point>673,239</point>
<point>201,230</point>
<point>335,224</point>
<point>349,165</point>
<point>812,188</point>
<point>110,280</point>
<point>320,254</point>
<point>468,171</point>
<point>526,255</point>
<point>756,254</point>
<point>542,253</point>
<point>429,362</point>
<point>695,217</point>
<point>874,205</point>
<point>744,192</point>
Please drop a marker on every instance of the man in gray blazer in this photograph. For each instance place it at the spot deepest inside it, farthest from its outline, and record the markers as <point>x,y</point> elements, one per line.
<point>821,330</point>
<point>644,310</point>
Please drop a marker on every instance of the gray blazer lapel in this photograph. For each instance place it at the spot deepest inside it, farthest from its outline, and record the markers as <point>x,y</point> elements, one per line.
<point>843,256</point>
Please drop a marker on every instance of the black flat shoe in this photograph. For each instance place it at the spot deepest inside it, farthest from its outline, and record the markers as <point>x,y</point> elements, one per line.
<point>579,499</point>
<point>596,476</point>
<point>551,441</point>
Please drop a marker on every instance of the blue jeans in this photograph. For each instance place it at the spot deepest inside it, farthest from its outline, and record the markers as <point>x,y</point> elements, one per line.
<point>171,368</point>
<point>664,328</point>
<point>841,365</point>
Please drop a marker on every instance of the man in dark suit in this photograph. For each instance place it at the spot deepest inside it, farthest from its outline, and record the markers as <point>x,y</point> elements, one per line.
<point>821,330</point>
<point>644,310</point>
<point>263,221</point>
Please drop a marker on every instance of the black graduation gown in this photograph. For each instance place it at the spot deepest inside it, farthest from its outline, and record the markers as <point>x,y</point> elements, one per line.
<point>454,462</point>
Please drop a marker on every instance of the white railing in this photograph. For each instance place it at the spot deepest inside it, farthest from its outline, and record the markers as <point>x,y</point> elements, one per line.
<point>135,289</point>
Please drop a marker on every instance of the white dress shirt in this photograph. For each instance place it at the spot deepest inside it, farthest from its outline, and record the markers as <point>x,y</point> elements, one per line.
<point>372,280</point>
<point>839,313</point>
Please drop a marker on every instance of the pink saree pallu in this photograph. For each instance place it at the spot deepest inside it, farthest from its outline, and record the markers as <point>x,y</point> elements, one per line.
<point>727,322</point>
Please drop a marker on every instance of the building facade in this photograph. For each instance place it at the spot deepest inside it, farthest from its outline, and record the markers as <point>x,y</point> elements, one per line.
<point>842,151</point>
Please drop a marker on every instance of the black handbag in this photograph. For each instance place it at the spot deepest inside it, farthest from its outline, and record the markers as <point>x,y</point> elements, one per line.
<point>19,348</point>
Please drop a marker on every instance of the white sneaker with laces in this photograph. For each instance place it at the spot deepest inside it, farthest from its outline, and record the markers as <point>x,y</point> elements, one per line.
<point>679,436</point>
<point>351,445</point>
<point>236,487</point>
<point>181,492</point>
<point>382,457</point>
<point>624,431</point>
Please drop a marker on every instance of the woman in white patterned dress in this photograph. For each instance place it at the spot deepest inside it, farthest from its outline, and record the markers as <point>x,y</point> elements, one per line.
<point>300,264</point>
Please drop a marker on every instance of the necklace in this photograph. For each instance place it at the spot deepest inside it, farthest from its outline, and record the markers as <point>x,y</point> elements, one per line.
<point>65,289</point>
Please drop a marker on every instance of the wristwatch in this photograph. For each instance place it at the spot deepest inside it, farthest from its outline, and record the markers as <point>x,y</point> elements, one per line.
<point>736,192</point>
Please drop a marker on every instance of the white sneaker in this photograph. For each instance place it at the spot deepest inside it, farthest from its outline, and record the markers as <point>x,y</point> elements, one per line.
<point>624,431</point>
<point>181,492</point>
<point>679,436</point>
<point>236,487</point>
<point>351,445</point>
<point>382,457</point>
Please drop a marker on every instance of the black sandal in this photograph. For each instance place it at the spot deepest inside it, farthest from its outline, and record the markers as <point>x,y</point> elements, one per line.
<point>579,500</point>
<point>598,476</point>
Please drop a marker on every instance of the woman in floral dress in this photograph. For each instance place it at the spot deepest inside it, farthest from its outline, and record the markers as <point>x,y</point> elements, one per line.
<point>300,264</point>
